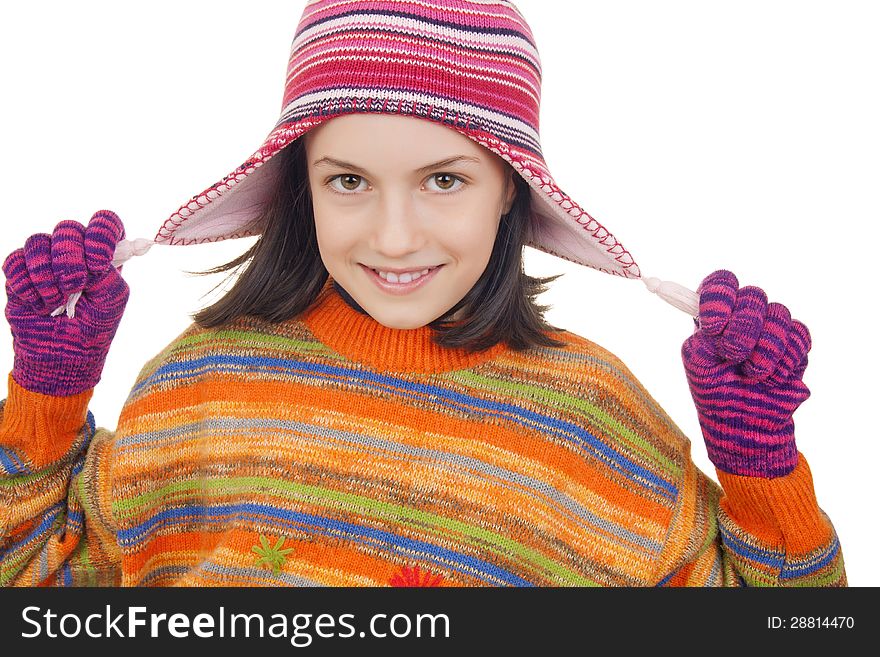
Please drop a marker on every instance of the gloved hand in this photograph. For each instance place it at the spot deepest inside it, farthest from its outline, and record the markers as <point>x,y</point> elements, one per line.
<point>744,365</point>
<point>63,355</point>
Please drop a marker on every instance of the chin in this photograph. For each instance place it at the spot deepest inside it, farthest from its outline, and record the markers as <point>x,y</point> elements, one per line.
<point>401,324</point>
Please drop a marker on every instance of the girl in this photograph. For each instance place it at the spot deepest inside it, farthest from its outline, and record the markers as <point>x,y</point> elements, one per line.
<point>378,400</point>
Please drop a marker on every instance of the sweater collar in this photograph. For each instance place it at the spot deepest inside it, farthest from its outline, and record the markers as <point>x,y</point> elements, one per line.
<point>338,321</point>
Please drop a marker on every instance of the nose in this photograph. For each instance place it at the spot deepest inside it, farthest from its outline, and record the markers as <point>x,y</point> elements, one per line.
<point>398,230</point>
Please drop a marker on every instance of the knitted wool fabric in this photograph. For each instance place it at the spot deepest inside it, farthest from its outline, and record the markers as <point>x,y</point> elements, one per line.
<point>65,355</point>
<point>331,450</point>
<point>744,366</point>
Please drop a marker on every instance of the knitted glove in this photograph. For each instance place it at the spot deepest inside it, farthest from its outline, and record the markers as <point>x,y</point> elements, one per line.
<point>63,355</point>
<point>744,365</point>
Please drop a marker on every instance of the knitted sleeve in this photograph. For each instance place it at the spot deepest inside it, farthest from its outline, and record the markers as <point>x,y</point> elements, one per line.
<point>740,531</point>
<point>55,516</point>
<point>753,531</point>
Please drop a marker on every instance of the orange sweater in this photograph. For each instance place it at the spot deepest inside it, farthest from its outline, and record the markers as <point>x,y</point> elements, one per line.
<point>332,450</point>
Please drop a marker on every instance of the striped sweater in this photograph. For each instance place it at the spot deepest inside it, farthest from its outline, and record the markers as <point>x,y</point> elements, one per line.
<point>331,450</point>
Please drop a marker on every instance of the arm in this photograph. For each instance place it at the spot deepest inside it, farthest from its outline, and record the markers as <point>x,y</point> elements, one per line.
<point>744,364</point>
<point>55,527</point>
<point>753,531</point>
<point>54,464</point>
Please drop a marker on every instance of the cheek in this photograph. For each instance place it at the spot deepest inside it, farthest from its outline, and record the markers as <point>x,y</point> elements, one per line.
<point>333,239</point>
<point>335,223</point>
<point>474,237</point>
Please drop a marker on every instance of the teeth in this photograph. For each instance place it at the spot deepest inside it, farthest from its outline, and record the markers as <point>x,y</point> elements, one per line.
<point>407,277</point>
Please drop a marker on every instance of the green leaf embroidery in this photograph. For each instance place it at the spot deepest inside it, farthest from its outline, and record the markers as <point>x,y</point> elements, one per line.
<point>271,557</point>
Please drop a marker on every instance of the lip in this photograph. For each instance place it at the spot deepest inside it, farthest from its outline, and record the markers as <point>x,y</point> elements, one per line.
<point>401,270</point>
<point>400,288</point>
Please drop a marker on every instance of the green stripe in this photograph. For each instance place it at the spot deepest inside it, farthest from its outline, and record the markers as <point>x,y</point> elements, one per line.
<point>414,517</point>
<point>12,567</point>
<point>831,577</point>
<point>87,569</point>
<point>569,402</point>
<point>248,339</point>
<point>86,574</point>
<point>15,480</point>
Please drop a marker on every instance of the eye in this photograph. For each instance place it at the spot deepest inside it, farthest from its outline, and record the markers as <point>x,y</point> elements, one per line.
<point>448,180</point>
<point>349,181</point>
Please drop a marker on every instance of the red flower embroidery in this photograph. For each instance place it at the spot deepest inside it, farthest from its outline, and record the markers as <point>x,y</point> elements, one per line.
<point>415,576</point>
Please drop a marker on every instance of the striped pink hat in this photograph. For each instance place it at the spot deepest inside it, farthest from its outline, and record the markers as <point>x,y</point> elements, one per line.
<point>471,65</point>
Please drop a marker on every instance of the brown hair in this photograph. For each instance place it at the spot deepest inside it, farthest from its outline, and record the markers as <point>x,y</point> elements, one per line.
<point>282,273</point>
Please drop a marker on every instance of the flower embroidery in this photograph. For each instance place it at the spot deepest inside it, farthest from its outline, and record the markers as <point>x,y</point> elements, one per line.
<point>271,557</point>
<point>415,576</point>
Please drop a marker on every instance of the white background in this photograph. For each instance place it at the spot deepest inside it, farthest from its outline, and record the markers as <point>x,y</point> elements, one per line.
<point>703,135</point>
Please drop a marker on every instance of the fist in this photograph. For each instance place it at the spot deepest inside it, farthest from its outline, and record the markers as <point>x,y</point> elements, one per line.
<point>61,355</point>
<point>744,364</point>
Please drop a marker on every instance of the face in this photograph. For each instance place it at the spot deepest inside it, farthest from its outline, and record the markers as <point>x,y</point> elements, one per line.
<point>394,196</point>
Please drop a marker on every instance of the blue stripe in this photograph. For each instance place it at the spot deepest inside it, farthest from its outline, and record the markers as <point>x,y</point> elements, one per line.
<point>787,570</point>
<point>437,394</point>
<point>318,525</point>
<point>75,521</point>
<point>796,569</point>
<point>11,464</point>
<point>49,517</point>
<point>90,423</point>
<point>773,559</point>
<point>663,581</point>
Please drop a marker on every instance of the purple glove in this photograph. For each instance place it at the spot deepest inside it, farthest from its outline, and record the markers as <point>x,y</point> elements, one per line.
<point>744,365</point>
<point>63,356</point>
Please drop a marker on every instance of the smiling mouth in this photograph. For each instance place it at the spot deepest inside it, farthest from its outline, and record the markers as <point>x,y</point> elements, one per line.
<point>403,277</point>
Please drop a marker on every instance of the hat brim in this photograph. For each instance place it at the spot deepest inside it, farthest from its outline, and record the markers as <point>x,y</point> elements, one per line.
<point>228,208</point>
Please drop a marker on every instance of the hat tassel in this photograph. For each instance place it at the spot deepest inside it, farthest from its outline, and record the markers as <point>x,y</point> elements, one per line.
<point>675,295</point>
<point>125,250</point>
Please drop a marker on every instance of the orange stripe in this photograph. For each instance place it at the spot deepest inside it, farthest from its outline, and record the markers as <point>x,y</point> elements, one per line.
<point>195,542</point>
<point>262,398</point>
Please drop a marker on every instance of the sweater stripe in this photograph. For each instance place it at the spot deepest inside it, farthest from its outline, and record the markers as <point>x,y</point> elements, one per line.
<point>438,395</point>
<point>480,472</point>
<point>318,525</point>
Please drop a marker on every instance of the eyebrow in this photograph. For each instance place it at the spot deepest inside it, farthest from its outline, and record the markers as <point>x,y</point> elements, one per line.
<point>464,159</point>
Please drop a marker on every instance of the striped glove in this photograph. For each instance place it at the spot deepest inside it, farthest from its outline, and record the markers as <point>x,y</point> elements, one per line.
<point>744,365</point>
<point>61,355</point>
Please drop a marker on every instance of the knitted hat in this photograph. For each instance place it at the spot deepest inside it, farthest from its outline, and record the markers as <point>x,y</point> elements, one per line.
<point>471,65</point>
